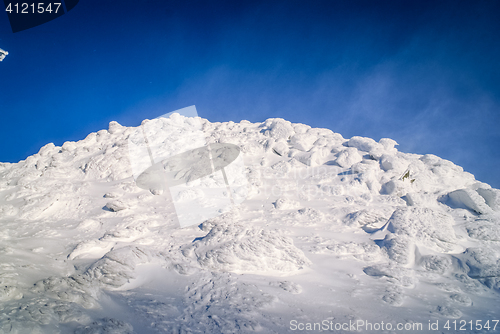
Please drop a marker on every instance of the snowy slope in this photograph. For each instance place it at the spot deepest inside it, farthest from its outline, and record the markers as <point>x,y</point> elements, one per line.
<point>332,230</point>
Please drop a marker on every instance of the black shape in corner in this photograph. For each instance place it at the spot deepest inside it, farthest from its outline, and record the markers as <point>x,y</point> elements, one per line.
<point>70,4</point>
<point>28,14</point>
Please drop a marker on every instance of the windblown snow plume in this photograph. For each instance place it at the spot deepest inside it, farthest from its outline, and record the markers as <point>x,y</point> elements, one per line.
<point>309,228</point>
<point>3,53</point>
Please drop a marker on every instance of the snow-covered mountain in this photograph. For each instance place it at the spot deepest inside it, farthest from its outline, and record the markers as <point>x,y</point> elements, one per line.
<point>333,234</point>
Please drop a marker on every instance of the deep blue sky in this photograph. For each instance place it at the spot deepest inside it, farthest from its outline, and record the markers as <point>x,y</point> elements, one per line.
<point>425,73</point>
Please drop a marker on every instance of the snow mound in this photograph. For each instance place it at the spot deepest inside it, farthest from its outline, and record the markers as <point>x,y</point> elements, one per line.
<point>399,248</point>
<point>76,289</point>
<point>482,262</point>
<point>372,217</point>
<point>435,263</point>
<point>348,157</point>
<point>491,197</point>
<point>359,230</point>
<point>484,229</point>
<point>116,268</point>
<point>430,227</point>
<point>278,128</point>
<point>468,199</point>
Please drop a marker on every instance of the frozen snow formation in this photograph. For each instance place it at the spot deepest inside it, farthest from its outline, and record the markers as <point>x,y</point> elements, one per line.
<point>328,230</point>
<point>3,53</point>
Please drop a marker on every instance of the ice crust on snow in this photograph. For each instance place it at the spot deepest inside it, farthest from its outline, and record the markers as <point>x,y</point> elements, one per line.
<point>326,227</point>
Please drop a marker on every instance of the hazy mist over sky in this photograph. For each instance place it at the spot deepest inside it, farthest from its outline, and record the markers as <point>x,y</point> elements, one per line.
<point>425,73</point>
